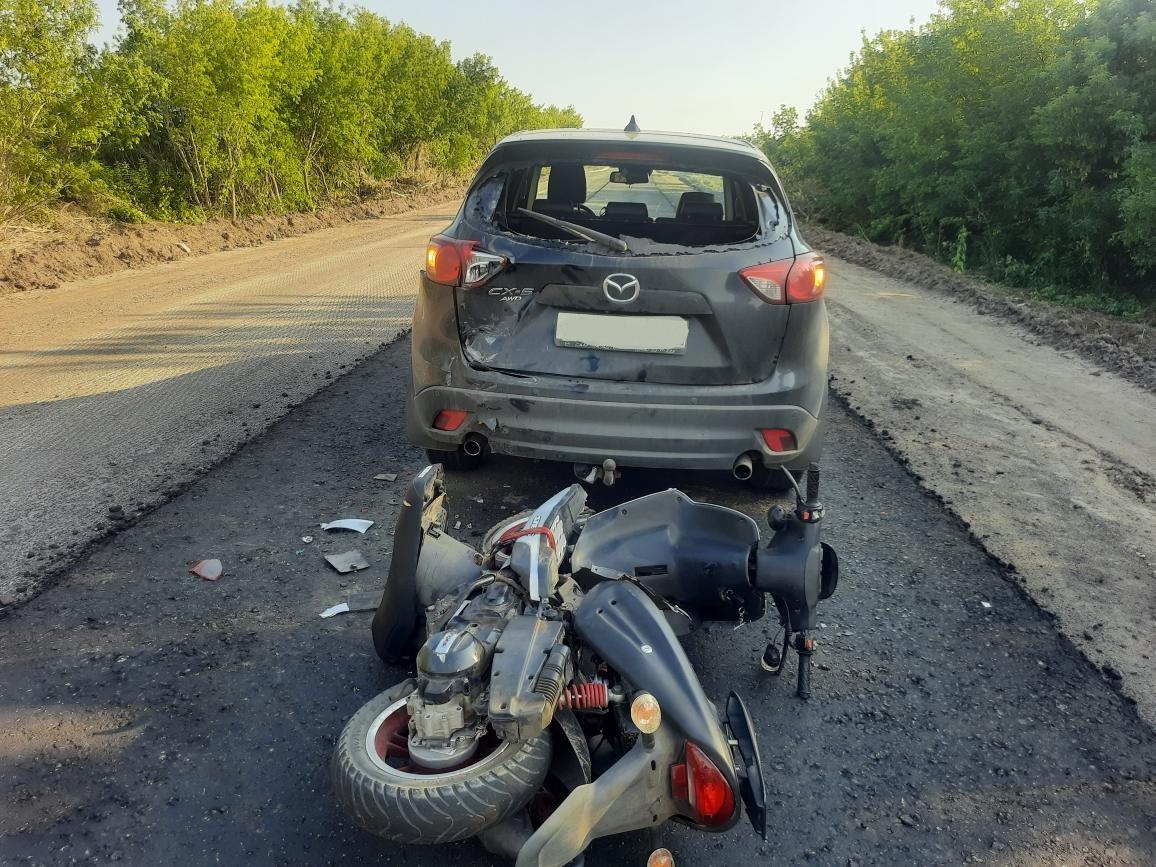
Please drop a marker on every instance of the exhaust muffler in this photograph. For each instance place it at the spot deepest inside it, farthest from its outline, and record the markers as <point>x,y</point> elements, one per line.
<point>743,467</point>
<point>474,445</point>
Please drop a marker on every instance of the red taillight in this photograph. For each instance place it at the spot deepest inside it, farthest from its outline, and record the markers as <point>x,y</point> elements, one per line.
<point>450,419</point>
<point>443,261</point>
<point>807,279</point>
<point>788,281</point>
<point>779,440</point>
<point>702,786</point>
<point>460,263</point>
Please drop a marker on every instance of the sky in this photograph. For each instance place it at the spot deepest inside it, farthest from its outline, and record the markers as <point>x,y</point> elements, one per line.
<point>709,66</point>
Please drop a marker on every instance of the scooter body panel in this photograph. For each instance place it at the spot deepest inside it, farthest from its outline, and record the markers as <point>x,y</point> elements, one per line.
<point>694,555</point>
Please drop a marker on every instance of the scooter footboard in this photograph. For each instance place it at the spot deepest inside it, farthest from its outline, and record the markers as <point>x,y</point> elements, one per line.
<point>695,554</point>
<point>396,617</point>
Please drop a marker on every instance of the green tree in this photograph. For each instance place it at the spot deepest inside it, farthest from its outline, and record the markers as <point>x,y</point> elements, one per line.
<point>59,97</point>
<point>1014,137</point>
<point>235,106</point>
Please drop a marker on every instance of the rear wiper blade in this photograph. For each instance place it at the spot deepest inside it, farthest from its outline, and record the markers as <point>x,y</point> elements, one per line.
<point>616,244</point>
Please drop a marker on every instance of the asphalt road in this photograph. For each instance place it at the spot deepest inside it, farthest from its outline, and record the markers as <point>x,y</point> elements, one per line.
<point>155,718</point>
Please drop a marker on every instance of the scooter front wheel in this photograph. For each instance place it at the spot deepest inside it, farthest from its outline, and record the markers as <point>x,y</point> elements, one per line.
<point>388,795</point>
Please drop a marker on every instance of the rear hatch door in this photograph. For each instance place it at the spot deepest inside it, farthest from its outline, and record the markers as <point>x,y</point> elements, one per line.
<point>685,319</point>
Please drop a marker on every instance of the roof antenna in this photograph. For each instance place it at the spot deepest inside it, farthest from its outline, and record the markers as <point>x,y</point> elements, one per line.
<point>632,126</point>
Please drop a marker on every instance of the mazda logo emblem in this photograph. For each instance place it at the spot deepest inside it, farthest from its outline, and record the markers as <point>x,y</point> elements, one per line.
<point>621,288</point>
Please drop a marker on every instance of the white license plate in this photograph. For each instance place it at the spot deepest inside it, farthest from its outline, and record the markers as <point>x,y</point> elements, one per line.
<point>660,334</point>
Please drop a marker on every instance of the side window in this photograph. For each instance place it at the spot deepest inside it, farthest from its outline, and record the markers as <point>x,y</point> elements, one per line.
<point>543,182</point>
<point>484,201</point>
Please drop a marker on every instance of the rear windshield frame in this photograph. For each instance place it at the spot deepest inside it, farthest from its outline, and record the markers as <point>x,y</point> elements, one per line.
<point>483,211</point>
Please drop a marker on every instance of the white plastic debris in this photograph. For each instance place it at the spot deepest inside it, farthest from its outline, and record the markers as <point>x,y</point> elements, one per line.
<point>358,525</point>
<point>985,604</point>
<point>356,601</point>
<point>350,561</point>
<point>385,477</point>
<point>306,539</point>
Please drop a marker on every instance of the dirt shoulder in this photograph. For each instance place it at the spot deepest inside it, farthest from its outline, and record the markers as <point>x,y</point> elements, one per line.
<point>1126,348</point>
<point>1045,457</point>
<point>79,247</point>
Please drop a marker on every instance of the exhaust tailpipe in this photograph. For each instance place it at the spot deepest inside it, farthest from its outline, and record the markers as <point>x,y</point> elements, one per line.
<point>474,445</point>
<point>743,468</point>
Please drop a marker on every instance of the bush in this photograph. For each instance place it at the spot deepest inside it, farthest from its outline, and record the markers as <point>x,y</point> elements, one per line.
<point>125,213</point>
<point>235,106</point>
<point>1015,137</point>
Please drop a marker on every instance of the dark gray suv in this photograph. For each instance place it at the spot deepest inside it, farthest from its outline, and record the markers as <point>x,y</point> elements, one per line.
<point>615,299</point>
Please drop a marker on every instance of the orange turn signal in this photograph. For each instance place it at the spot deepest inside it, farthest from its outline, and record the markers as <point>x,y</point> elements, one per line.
<point>645,713</point>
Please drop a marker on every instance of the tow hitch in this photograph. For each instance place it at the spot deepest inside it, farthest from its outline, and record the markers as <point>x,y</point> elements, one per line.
<point>607,472</point>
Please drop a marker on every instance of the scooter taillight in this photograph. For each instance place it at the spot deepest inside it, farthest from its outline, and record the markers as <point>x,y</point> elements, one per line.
<point>702,786</point>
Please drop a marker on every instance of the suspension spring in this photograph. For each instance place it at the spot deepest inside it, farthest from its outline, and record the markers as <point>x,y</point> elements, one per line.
<point>586,696</point>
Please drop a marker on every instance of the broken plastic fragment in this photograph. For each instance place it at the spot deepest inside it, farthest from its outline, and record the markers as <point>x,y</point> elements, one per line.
<point>356,601</point>
<point>985,604</point>
<point>210,570</point>
<point>350,561</point>
<point>358,525</point>
<point>306,539</point>
<point>385,477</point>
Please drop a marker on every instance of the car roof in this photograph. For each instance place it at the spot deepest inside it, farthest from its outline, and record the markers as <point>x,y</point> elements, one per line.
<point>617,136</point>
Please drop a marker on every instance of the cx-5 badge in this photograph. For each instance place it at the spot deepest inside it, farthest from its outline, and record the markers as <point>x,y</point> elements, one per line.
<point>621,288</point>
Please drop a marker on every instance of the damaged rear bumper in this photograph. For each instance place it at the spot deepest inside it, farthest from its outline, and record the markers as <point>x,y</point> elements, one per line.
<point>575,429</point>
<point>639,424</point>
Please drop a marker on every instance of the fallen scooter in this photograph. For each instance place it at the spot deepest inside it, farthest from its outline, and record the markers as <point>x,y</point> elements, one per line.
<point>552,702</point>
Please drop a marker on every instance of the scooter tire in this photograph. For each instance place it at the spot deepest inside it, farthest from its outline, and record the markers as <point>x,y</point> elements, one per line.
<point>435,808</point>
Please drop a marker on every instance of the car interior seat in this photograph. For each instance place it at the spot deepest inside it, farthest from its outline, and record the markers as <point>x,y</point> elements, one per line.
<point>690,206</point>
<point>565,191</point>
<point>634,212</point>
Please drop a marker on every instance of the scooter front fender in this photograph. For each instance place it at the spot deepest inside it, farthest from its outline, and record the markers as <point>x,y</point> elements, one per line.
<point>623,626</point>
<point>618,620</point>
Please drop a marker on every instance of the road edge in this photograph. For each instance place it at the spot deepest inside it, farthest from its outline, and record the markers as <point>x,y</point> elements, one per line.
<point>1125,348</point>
<point>92,247</point>
<point>54,571</point>
<point>1007,569</point>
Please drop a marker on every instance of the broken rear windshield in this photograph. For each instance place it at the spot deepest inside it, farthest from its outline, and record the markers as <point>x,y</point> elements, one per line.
<point>666,204</point>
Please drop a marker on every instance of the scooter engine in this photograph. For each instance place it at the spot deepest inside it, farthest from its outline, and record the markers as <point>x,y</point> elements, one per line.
<point>447,713</point>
